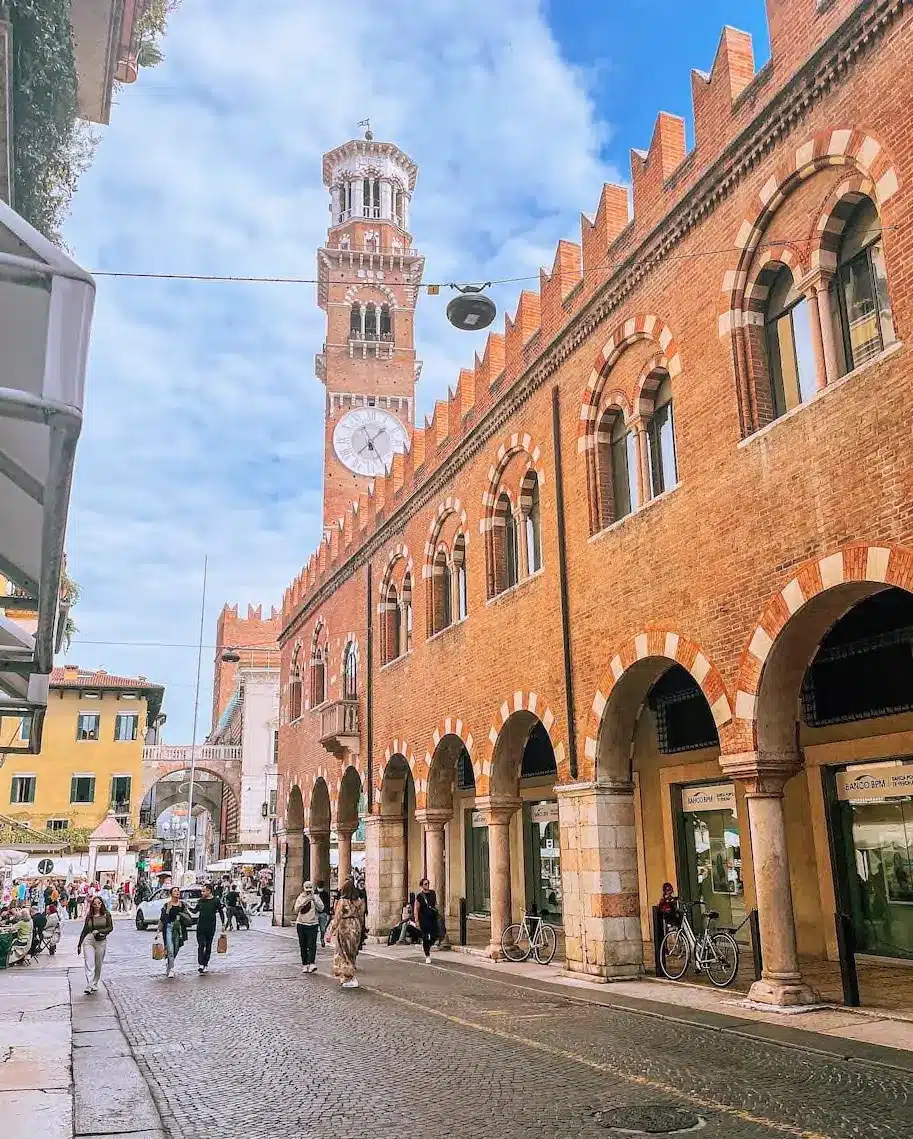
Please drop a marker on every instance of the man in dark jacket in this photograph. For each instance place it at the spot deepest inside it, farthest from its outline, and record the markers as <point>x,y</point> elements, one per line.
<point>207,910</point>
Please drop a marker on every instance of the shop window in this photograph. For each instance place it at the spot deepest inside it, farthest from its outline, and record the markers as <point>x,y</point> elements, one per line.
<point>22,789</point>
<point>684,721</point>
<point>788,339</point>
<point>82,789</point>
<point>863,668</point>
<point>532,522</point>
<point>859,292</point>
<point>87,726</point>
<point>350,673</point>
<point>125,726</point>
<point>661,440</point>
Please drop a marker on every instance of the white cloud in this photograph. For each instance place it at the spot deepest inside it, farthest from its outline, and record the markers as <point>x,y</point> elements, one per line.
<point>204,420</point>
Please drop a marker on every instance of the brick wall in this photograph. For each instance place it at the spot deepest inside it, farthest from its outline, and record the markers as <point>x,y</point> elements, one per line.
<point>702,561</point>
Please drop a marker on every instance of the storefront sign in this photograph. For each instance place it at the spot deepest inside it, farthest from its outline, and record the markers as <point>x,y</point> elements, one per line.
<point>478,820</point>
<point>891,781</point>
<point>546,812</point>
<point>713,797</point>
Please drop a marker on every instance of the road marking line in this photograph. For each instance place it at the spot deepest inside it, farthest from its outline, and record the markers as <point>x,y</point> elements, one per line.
<point>609,1069</point>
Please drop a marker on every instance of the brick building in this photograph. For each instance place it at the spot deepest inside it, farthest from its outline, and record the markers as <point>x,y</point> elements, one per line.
<point>632,606</point>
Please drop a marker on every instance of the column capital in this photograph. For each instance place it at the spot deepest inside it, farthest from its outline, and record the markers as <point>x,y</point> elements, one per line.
<point>345,830</point>
<point>594,788</point>
<point>434,818</point>
<point>764,773</point>
<point>316,835</point>
<point>817,280</point>
<point>498,808</point>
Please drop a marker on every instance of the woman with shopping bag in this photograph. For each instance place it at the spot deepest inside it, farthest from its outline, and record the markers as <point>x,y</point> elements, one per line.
<point>173,925</point>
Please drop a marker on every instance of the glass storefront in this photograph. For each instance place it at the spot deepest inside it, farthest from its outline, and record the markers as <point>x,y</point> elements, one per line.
<point>478,887</point>
<point>542,858</point>
<point>874,831</point>
<point>712,853</point>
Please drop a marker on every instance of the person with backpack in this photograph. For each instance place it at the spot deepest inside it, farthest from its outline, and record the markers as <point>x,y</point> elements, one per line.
<point>308,908</point>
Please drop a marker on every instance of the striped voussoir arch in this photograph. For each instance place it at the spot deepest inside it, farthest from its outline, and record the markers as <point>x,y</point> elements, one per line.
<point>519,702</point>
<point>841,147</point>
<point>397,747</point>
<point>399,552</point>
<point>655,643</point>
<point>640,327</point>
<point>451,726</point>
<point>884,564</point>
<point>516,443</point>
<point>445,509</point>
<point>357,764</point>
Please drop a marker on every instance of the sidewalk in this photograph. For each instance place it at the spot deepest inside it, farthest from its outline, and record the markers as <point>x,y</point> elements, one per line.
<point>54,1043</point>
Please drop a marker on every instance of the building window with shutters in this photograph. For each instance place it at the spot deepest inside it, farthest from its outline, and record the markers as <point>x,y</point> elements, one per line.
<point>22,789</point>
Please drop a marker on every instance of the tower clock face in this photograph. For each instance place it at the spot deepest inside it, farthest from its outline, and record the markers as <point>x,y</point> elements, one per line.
<point>366,439</point>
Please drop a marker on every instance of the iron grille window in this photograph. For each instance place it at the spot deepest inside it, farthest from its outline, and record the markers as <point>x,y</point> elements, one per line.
<point>860,680</point>
<point>684,721</point>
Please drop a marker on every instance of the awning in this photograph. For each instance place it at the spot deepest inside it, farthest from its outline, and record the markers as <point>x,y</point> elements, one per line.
<point>46,304</point>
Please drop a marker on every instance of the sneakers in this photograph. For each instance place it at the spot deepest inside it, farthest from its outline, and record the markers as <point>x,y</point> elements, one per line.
<point>201,968</point>
<point>87,989</point>
<point>427,960</point>
<point>353,984</point>
<point>312,968</point>
<point>305,968</point>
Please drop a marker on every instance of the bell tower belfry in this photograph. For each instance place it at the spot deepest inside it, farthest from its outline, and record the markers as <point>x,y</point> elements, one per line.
<point>368,277</point>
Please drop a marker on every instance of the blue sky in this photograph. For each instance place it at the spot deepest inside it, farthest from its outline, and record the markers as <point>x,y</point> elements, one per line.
<point>203,426</point>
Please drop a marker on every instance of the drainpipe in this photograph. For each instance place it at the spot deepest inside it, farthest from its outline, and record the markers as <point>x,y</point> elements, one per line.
<point>369,690</point>
<point>562,585</point>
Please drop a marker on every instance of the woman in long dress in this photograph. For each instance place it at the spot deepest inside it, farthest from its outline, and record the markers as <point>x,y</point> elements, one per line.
<point>346,929</point>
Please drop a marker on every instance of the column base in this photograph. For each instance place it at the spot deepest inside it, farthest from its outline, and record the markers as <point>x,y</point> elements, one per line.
<point>603,973</point>
<point>783,994</point>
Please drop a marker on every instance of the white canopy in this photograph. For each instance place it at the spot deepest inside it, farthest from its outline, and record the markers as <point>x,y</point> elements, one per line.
<point>46,304</point>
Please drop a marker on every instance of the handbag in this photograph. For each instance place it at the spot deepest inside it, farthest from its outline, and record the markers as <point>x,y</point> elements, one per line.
<point>158,948</point>
<point>222,943</point>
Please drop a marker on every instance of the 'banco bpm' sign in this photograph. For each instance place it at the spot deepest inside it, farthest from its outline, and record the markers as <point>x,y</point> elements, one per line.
<point>890,781</point>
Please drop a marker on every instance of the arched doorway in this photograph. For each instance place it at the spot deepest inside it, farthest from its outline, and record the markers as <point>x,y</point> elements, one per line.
<point>347,821</point>
<point>214,827</point>
<point>521,810</point>
<point>398,848</point>
<point>658,810</point>
<point>833,789</point>
<point>447,820</point>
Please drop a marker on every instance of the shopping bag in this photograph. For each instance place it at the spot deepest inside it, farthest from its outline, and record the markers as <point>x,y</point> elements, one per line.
<point>158,948</point>
<point>222,943</point>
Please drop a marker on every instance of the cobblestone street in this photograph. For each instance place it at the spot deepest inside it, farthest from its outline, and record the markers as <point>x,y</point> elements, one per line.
<point>256,1049</point>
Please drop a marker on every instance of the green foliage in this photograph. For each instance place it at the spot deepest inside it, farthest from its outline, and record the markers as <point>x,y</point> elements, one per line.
<point>150,26</point>
<point>50,149</point>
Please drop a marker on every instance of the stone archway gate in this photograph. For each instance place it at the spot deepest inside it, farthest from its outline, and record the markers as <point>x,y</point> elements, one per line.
<point>221,760</point>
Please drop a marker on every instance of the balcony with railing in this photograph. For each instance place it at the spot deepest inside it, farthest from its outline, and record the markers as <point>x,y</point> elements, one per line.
<point>370,336</point>
<point>339,727</point>
<point>181,753</point>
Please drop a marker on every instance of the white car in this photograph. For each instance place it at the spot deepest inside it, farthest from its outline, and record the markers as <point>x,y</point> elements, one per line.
<point>149,911</point>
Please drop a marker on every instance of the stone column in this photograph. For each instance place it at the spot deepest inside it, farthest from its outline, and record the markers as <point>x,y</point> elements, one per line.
<point>434,823</point>
<point>764,776</point>
<point>642,447</point>
<point>345,852</point>
<point>292,845</point>
<point>385,863</point>
<point>600,898</point>
<point>498,810</point>
<point>320,856</point>
<point>828,347</point>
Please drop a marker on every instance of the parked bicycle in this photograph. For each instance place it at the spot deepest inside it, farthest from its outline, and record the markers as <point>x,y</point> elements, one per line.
<point>715,952</point>
<point>532,936</point>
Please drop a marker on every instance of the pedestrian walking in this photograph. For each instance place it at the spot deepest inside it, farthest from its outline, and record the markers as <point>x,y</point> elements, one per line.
<point>266,897</point>
<point>234,908</point>
<point>308,908</point>
<point>346,932</point>
<point>426,916</point>
<point>362,895</point>
<point>172,926</point>
<point>93,941</point>
<point>208,909</point>
<point>323,918</point>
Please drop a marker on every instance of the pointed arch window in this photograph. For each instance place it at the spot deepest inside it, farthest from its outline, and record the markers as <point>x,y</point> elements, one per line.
<point>859,292</point>
<point>318,676</point>
<point>355,319</point>
<point>441,603</point>
<point>532,523</point>
<point>623,464</point>
<point>294,689</point>
<point>460,583</point>
<point>406,615</point>
<point>661,440</point>
<point>788,339</point>
<point>370,329</point>
<point>391,625</point>
<point>350,673</point>
<point>386,327</point>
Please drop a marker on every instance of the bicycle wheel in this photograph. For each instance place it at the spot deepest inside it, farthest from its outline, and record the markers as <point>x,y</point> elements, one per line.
<point>674,954</point>
<point>546,945</point>
<point>515,943</point>
<point>723,962</point>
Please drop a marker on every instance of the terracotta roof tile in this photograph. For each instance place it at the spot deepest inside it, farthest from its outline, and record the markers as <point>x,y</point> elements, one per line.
<point>81,678</point>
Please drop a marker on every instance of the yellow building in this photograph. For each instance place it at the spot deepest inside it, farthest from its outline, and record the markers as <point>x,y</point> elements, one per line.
<point>91,755</point>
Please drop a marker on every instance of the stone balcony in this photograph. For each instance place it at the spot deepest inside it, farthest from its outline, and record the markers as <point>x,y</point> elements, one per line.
<point>340,729</point>
<point>181,753</point>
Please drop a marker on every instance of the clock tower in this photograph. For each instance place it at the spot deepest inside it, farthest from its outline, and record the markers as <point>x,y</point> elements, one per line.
<point>368,278</point>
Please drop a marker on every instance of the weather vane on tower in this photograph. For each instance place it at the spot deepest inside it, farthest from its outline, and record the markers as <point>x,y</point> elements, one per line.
<point>366,123</point>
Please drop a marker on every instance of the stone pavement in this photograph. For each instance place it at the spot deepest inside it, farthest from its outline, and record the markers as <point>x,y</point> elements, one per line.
<point>66,1069</point>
